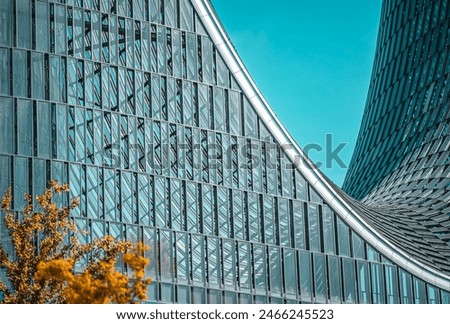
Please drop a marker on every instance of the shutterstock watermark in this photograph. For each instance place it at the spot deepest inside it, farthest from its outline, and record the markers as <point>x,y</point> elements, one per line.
<point>331,152</point>
<point>212,155</point>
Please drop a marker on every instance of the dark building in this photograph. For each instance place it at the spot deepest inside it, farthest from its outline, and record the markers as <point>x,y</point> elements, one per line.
<point>146,110</point>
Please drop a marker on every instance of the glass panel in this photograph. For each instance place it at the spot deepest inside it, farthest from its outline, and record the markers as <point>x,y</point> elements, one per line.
<point>250,120</point>
<point>328,230</point>
<point>244,265</point>
<point>284,222</point>
<point>214,260</point>
<point>433,295</point>
<point>372,255</point>
<point>207,60</point>
<point>186,12</point>
<point>391,284</point>
<point>406,287</point>
<point>445,297</point>
<point>299,230</point>
<point>5,174</point>
<point>420,293</point>
<point>229,264</point>
<point>149,238</point>
<point>348,272</point>
<point>60,30</point>
<point>300,187</point>
<point>167,294</point>
<point>343,238</point>
<point>183,295</point>
<point>6,125</point>
<point>320,278</point>
<point>235,112</point>
<point>358,246</point>
<point>275,270</point>
<point>5,83</point>
<point>21,182</point>
<point>214,296</point>
<point>305,276</point>
<point>314,232</point>
<point>192,207</point>
<point>290,275</point>
<point>161,202</point>
<point>166,256</point>
<point>253,217</point>
<point>230,297</point>
<point>24,24</point>
<point>334,272</point>
<point>38,85</point>
<point>6,22</point>
<point>25,127</point>
<point>259,267</point>
<point>222,72</point>
<point>198,258</point>
<point>182,254</point>
<point>223,212</point>
<point>20,75</point>
<point>44,130</point>
<point>207,210</point>
<point>378,293</point>
<point>238,215</point>
<point>363,282</point>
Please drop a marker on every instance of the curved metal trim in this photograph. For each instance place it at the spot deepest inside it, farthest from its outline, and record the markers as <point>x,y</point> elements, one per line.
<point>315,178</point>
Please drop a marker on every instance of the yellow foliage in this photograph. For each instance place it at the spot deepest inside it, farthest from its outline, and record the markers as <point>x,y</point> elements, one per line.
<point>47,253</point>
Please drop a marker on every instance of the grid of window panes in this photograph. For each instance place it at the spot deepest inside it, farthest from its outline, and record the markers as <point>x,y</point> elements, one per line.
<point>131,104</point>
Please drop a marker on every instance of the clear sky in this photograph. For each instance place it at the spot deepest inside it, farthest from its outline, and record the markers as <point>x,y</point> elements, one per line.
<point>312,60</point>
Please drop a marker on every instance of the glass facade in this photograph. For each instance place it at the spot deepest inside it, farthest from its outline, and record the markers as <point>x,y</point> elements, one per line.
<point>133,104</point>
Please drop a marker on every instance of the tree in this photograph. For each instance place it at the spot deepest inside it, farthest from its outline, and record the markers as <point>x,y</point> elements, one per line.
<point>50,265</point>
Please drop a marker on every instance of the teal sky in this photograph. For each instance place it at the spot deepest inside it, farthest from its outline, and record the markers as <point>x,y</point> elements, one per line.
<point>312,60</point>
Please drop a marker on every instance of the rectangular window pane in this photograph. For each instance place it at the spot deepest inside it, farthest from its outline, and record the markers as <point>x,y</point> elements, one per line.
<point>20,75</point>
<point>6,125</point>
<point>275,270</point>
<point>259,267</point>
<point>391,284</point>
<point>299,229</point>
<point>214,265</point>
<point>5,83</point>
<point>284,220</point>
<point>166,257</point>
<point>44,130</point>
<point>328,230</point>
<point>358,246</point>
<point>334,271</point>
<point>290,272</point>
<point>25,127</point>
<point>406,288</point>
<point>363,282</point>
<point>314,232</point>
<point>343,238</point>
<point>348,272</point>
<point>244,266</point>
<point>6,22</point>
<point>378,291</point>
<point>182,254</point>
<point>24,23</point>
<point>229,264</point>
<point>305,276</point>
<point>320,278</point>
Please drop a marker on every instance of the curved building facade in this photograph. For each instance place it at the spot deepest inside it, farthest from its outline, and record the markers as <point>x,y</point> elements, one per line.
<point>146,110</point>
<point>401,162</point>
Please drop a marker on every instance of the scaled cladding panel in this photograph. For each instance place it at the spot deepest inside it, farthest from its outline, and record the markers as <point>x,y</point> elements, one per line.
<point>401,165</point>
